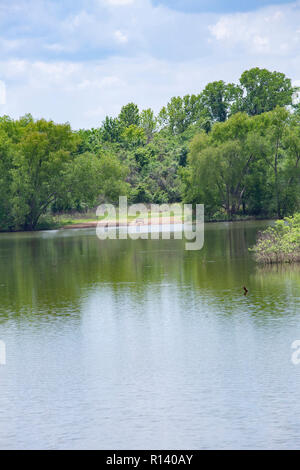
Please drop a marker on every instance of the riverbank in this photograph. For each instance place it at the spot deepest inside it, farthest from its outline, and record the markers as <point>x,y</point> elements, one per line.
<point>135,223</point>
<point>145,221</point>
<point>66,223</point>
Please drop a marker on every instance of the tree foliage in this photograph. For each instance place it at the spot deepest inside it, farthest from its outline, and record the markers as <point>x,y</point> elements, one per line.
<point>246,165</point>
<point>280,243</point>
<point>233,147</point>
<point>42,170</point>
<point>264,90</point>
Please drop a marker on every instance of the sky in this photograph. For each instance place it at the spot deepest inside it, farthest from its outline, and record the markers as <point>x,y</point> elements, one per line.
<point>79,60</point>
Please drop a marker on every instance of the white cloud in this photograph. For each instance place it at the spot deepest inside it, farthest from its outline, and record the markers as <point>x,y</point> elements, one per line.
<point>119,2</point>
<point>84,93</point>
<point>80,64</point>
<point>10,45</point>
<point>275,16</point>
<point>222,29</point>
<point>121,37</point>
<point>261,43</point>
<point>269,30</point>
<point>94,113</point>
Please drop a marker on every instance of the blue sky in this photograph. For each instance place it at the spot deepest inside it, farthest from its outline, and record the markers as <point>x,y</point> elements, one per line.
<point>219,6</point>
<point>80,60</point>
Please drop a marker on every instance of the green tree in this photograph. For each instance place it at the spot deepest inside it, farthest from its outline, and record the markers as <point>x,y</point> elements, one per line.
<point>129,115</point>
<point>218,98</point>
<point>133,136</point>
<point>39,162</point>
<point>277,124</point>
<point>219,165</point>
<point>148,123</point>
<point>180,113</point>
<point>198,182</point>
<point>5,181</point>
<point>264,90</point>
<point>90,178</point>
<point>291,145</point>
<point>111,129</point>
<point>91,140</point>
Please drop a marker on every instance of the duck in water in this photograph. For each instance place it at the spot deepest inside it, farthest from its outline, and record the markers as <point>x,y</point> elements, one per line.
<point>246,291</point>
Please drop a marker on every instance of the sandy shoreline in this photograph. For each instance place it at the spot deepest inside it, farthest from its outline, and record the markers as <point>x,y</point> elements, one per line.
<point>135,223</point>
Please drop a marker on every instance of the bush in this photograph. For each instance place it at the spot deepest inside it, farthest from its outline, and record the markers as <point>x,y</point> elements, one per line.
<point>279,244</point>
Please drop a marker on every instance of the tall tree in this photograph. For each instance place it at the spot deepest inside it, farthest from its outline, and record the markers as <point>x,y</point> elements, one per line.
<point>180,113</point>
<point>219,164</point>
<point>39,162</point>
<point>148,123</point>
<point>264,90</point>
<point>218,97</point>
<point>6,155</point>
<point>111,129</point>
<point>129,115</point>
<point>277,122</point>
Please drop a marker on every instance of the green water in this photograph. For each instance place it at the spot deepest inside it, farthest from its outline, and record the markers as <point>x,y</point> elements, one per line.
<point>143,345</point>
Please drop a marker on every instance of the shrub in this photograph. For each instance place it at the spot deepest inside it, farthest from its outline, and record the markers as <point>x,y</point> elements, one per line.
<point>281,243</point>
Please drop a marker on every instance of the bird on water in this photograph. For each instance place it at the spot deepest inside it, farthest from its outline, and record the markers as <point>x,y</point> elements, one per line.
<point>246,290</point>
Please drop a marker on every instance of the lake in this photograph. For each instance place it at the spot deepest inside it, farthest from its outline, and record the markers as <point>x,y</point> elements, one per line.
<point>123,344</point>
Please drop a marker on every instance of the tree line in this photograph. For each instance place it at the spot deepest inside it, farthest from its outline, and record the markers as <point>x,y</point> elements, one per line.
<point>233,147</point>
